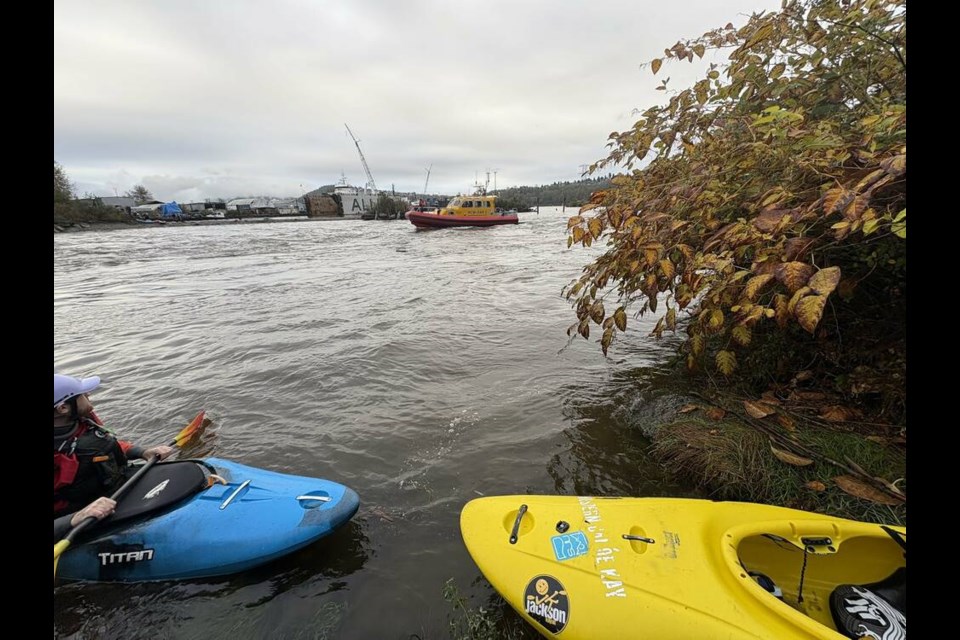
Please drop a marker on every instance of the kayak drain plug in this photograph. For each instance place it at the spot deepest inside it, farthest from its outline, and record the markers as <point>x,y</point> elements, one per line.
<point>562,526</point>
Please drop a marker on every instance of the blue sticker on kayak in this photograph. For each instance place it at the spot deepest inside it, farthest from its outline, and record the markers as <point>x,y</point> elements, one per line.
<point>569,545</point>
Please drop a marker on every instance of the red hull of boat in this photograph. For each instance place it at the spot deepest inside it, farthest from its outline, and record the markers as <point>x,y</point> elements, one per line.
<point>423,220</point>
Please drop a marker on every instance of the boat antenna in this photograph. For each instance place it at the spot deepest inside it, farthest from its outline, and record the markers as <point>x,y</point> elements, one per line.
<point>478,189</point>
<point>370,183</point>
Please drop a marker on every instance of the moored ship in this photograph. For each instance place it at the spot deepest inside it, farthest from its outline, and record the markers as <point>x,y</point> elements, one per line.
<point>354,201</point>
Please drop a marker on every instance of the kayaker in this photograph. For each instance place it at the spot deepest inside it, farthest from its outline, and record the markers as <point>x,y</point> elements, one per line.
<point>88,461</point>
<point>99,509</point>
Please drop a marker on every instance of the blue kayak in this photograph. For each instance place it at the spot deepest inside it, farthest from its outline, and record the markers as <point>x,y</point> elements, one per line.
<point>210,517</point>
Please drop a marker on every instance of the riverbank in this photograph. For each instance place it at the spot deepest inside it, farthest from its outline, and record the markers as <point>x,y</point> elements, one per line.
<point>106,225</point>
<point>798,446</point>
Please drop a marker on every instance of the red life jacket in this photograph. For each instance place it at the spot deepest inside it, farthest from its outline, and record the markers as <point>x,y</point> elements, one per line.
<point>88,462</point>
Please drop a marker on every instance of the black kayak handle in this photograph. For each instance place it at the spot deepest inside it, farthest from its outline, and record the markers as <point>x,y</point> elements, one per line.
<point>516,524</point>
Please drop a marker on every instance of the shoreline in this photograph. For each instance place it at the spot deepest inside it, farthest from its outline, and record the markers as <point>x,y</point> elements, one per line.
<point>105,225</point>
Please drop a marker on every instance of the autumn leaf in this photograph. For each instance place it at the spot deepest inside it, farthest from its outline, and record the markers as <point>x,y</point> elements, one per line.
<point>658,329</point>
<point>655,65</point>
<point>597,312</point>
<point>825,280</point>
<point>714,319</point>
<point>741,335</point>
<point>868,180</point>
<point>781,304</point>
<point>605,340</point>
<point>786,422</point>
<point>856,208</point>
<point>769,398</point>
<point>595,226</point>
<point>726,362</point>
<point>669,271</point>
<point>765,31</point>
<point>809,311</point>
<point>790,458</point>
<point>835,199</point>
<point>699,49</point>
<point>816,485</point>
<point>772,220</point>
<point>715,413</point>
<point>794,274</point>
<point>574,221</point>
<point>797,248</point>
<point>895,166</point>
<point>620,319</point>
<point>837,413</point>
<point>755,284</point>
<point>671,319</point>
<point>696,344</point>
<point>757,409</point>
<point>860,489</point>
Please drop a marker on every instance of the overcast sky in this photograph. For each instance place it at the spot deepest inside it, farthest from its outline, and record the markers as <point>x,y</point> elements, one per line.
<point>203,99</point>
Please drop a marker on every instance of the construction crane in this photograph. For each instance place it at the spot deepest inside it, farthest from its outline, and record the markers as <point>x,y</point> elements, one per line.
<point>427,181</point>
<point>370,183</point>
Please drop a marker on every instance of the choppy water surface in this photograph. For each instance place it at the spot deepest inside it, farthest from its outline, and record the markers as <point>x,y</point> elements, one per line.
<point>420,368</point>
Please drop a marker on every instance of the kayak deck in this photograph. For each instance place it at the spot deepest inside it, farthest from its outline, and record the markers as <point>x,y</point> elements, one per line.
<point>670,568</point>
<point>244,518</point>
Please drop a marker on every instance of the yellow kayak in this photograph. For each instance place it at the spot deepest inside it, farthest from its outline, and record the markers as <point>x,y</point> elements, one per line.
<point>674,568</point>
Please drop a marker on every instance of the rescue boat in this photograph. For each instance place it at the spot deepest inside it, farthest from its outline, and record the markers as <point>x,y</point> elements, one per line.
<point>461,211</point>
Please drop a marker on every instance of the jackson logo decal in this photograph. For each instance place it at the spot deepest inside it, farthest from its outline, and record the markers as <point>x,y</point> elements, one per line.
<point>545,600</point>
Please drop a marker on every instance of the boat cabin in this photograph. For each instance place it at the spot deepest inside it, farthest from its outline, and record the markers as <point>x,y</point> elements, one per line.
<point>470,206</point>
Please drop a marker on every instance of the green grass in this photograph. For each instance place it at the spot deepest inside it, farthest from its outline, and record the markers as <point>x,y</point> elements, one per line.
<point>729,460</point>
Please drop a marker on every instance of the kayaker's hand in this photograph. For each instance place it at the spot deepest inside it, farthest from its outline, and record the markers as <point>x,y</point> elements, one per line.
<point>99,509</point>
<point>163,451</point>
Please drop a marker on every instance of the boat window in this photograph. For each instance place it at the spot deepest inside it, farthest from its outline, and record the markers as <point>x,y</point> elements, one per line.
<point>455,203</point>
<point>468,203</point>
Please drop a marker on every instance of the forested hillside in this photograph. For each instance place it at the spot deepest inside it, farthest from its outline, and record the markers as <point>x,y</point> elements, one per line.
<point>571,194</point>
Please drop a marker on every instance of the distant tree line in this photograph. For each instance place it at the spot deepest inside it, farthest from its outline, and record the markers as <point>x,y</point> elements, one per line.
<point>68,208</point>
<point>571,194</point>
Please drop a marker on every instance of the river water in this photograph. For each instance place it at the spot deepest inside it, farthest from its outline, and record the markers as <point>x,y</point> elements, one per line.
<point>420,368</point>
